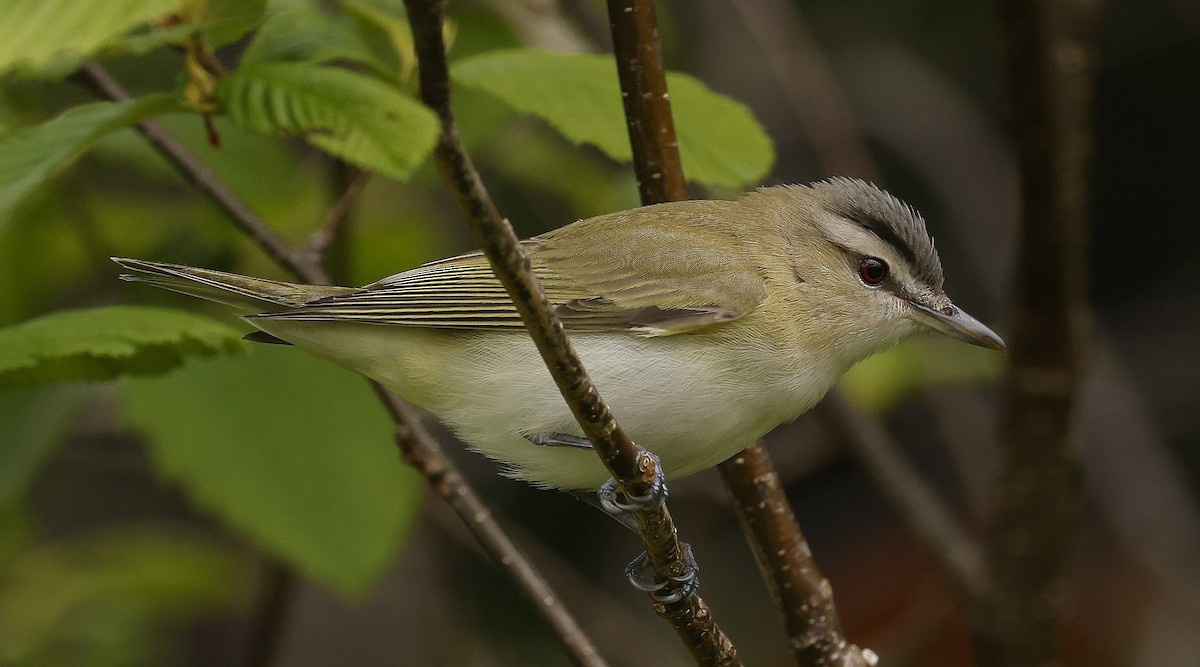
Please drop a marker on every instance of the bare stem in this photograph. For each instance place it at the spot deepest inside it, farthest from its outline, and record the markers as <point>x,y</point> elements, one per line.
<point>295,260</point>
<point>1051,55</point>
<point>802,593</point>
<point>418,447</point>
<point>335,222</point>
<point>656,164</point>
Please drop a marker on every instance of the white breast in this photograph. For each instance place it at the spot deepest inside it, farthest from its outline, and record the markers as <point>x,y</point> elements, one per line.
<point>692,407</point>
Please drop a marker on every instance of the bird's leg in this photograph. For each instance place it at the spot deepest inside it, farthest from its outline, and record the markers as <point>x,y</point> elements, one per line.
<point>556,439</point>
<point>623,507</point>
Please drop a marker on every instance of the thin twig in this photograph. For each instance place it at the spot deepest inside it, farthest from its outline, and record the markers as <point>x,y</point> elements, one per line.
<point>418,447</point>
<point>324,237</point>
<point>804,596</point>
<point>632,467</point>
<point>423,452</point>
<point>656,165</point>
<point>802,593</point>
<point>1051,56</point>
<point>295,260</point>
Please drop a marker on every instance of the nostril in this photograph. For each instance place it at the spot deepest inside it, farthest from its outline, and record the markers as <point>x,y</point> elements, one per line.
<point>948,310</point>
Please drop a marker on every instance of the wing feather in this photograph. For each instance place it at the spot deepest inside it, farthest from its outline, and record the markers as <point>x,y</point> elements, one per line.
<point>642,275</point>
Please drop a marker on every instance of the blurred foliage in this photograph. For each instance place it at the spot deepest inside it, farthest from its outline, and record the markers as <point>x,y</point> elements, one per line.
<point>56,36</point>
<point>33,421</point>
<point>282,100</point>
<point>32,155</point>
<point>108,599</point>
<point>294,452</point>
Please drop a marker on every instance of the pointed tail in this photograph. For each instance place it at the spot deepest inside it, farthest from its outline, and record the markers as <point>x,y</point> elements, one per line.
<point>251,295</point>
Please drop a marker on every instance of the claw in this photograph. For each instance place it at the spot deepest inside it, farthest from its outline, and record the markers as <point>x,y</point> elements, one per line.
<point>618,501</point>
<point>642,576</point>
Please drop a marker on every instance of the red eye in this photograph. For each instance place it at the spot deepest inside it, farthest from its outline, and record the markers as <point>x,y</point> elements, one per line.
<point>872,271</point>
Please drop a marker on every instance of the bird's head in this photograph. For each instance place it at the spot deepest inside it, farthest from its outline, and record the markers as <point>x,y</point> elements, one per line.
<point>865,268</point>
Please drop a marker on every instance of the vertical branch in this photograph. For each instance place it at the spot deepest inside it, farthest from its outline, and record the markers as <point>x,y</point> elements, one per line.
<point>802,593</point>
<point>631,466</point>
<point>656,164</point>
<point>1051,52</point>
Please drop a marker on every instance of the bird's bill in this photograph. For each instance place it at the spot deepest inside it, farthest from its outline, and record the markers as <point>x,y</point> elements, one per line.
<point>956,323</point>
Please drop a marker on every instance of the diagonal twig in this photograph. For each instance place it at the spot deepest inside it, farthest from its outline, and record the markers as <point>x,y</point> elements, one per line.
<point>802,593</point>
<point>295,260</point>
<point>632,467</point>
<point>419,448</point>
<point>321,239</point>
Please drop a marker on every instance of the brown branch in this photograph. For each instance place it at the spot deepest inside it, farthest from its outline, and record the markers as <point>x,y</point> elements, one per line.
<point>632,467</point>
<point>418,447</point>
<point>656,164</point>
<point>1051,53</point>
<point>805,596</point>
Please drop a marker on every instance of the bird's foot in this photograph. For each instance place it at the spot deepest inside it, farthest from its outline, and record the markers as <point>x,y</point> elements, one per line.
<point>617,501</point>
<point>672,589</point>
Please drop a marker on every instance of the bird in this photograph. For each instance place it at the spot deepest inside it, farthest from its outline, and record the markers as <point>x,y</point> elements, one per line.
<point>704,324</point>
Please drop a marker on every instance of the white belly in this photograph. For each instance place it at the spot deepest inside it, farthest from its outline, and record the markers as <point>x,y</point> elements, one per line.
<point>692,408</point>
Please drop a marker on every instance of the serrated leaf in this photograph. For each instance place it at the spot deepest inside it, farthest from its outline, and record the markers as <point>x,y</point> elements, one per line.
<point>112,597</point>
<point>293,451</point>
<point>32,422</point>
<point>720,141</point>
<point>31,155</point>
<point>52,37</point>
<point>353,116</point>
<point>104,343</point>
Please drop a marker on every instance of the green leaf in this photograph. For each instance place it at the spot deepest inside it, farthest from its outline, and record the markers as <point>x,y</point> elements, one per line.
<point>31,155</point>
<point>293,451</point>
<point>303,34</point>
<point>720,141</point>
<point>52,37</point>
<point>104,343</point>
<point>353,116</point>
<point>388,38</point>
<point>112,597</point>
<point>32,422</point>
<point>880,382</point>
<point>224,21</point>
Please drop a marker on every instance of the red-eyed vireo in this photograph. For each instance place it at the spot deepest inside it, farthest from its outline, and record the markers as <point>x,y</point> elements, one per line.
<point>704,324</point>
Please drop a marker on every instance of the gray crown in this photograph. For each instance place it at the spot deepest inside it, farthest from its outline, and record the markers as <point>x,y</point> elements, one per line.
<point>893,221</point>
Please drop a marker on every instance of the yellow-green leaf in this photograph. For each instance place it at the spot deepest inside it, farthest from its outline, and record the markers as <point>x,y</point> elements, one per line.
<point>353,116</point>
<point>720,141</point>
